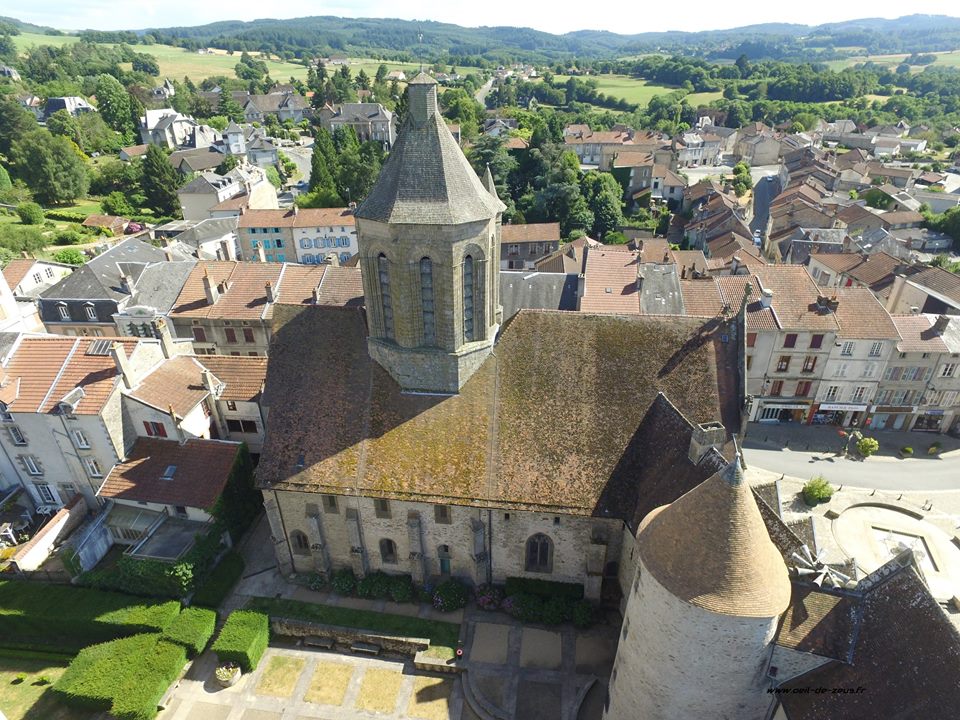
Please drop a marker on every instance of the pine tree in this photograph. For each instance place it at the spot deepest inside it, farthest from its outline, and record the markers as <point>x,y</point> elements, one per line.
<point>230,108</point>
<point>160,183</point>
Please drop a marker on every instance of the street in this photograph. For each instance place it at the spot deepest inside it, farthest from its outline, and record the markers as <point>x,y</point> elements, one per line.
<point>803,451</point>
<point>763,194</point>
<point>301,156</point>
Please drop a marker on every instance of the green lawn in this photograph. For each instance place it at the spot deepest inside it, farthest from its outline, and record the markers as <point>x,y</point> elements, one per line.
<point>631,89</point>
<point>25,40</point>
<point>443,636</point>
<point>29,700</point>
<point>695,100</point>
<point>944,59</point>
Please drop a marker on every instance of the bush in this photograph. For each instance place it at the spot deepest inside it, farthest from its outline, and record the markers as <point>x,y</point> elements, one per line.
<point>934,448</point>
<point>243,639</point>
<point>66,617</point>
<point>817,490</point>
<point>401,588</point>
<point>524,607</point>
<point>69,256</point>
<point>125,677</point>
<point>582,614</point>
<point>556,610</point>
<point>545,589</point>
<point>192,629</point>
<point>489,597</point>
<point>116,203</point>
<point>906,450</point>
<point>344,581</point>
<point>67,237</point>
<point>867,446</point>
<point>65,216</point>
<point>220,582</point>
<point>30,213</point>
<point>450,595</point>
<point>375,585</point>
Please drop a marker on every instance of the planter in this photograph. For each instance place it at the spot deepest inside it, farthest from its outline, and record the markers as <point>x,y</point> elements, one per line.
<point>809,501</point>
<point>227,675</point>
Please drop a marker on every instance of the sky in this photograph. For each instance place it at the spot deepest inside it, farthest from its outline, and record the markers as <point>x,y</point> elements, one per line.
<point>626,18</point>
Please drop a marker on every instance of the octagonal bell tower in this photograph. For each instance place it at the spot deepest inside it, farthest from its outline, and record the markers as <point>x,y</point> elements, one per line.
<point>429,239</point>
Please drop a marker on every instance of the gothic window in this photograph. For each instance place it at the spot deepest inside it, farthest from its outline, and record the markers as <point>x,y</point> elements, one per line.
<point>299,543</point>
<point>426,301</point>
<point>468,293</point>
<point>383,269</point>
<point>539,554</point>
<point>388,551</point>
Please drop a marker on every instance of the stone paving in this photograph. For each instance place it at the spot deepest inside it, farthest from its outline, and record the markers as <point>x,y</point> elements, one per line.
<point>346,687</point>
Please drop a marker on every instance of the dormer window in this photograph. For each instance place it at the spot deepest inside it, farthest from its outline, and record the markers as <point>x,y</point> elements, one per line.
<point>169,472</point>
<point>63,312</point>
<point>90,311</point>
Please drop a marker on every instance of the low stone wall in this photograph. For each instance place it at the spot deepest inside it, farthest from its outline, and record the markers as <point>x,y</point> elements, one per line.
<point>347,636</point>
<point>426,663</point>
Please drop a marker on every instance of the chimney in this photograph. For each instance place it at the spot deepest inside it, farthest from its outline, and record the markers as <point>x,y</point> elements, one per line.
<point>706,436</point>
<point>176,424</point>
<point>940,326</point>
<point>120,360</point>
<point>168,253</point>
<point>165,338</point>
<point>734,265</point>
<point>24,254</point>
<point>271,295</point>
<point>333,259</point>
<point>225,250</point>
<point>766,298</point>
<point>316,296</point>
<point>209,289</point>
<point>261,254</point>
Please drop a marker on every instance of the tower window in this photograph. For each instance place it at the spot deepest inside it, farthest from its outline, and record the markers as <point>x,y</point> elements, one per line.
<point>299,542</point>
<point>468,299</point>
<point>388,551</point>
<point>539,554</point>
<point>426,301</point>
<point>383,269</point>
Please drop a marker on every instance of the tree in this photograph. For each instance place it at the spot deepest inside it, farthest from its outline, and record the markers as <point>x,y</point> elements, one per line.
<point>69,256</point>
<point>230,108</point>
<point>30,213</point>
<point>363,80</point>
<point>320,175</point>
<point>15,122</point>
<point>382,73</point>
<point>160,183</point>
<point>5,183</point>
<point>602,193</point>
<point>490,151</point>
<point>273,177</point>
<point>228,164</point>
<point>116,203</point>
<point>51,166</point>
<point>63,123</point>
<point>113,102</point>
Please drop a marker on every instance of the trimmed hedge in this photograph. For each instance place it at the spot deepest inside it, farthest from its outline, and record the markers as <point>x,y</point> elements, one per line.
<point>69,618</point>
<point>243,639</point>
<point>545,589</point>
<point>126,677</point>
<point>192,629</point>
<point>220,582</point>
<point>65,215</point>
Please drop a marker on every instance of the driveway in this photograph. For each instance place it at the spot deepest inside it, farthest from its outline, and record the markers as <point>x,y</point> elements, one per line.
<point>803,451</point>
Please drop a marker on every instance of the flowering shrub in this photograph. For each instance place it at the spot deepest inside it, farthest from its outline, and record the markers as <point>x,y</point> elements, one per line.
<point>524,607</point>
<point>226,671</point>
<point>344,581</point>
<point>450,595</point>
<point>489,597</point>
<point>374,585</point>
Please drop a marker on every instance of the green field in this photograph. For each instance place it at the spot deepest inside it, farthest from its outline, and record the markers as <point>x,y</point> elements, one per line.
<point>179,63</point>
<point>944,59</point>
<point>637,91</point>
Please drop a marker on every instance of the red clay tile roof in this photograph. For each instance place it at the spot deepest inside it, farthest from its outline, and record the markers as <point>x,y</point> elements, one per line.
<point>242,376</point>
<point>16,270</point>
<point>655,250</point>
<point>342,286</point>
<point>234,203</point>
<point>821,623</point>
<point>532,232</point>
<point>794,297</point>
<point>300,217</point>
<point>902,217</point>
<point>176,383</point>
<point>516,143</point>
<point>701,298</point>
<point>838,262</point>
<point>44,369</point>
<point>297,283</point>
<point>485,446</point>
<point>610,282</point>
<point>938,280</point>
<point>918,334</point>
<point>245,297</point>
<point>111,222</point>
<point>202,470</point>
<point>861,315</point>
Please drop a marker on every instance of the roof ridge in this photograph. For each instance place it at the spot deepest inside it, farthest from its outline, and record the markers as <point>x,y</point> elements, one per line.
<point>56,380</point>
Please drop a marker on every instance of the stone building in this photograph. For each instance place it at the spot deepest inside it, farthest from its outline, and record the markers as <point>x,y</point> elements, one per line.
<point>454,443</point>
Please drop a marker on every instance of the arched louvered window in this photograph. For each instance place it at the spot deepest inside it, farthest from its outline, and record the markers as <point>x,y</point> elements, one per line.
<point>426,301</point>
<point>388,551</point>
<point>383,269</point>
<point>539,554</point>
<point>301,546</point>
<point>468,293</point>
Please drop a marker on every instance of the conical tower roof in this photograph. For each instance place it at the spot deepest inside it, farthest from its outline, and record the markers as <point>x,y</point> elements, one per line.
<point>710,548</point>
<point>427,179</point>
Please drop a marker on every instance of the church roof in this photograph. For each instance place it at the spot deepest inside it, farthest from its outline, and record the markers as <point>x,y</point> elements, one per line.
<point>549,421</point>
<point>711,548</point>
<point>426,179</point>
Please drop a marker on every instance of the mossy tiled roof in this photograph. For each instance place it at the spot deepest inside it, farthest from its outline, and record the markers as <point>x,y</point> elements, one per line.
<point>548,421</point>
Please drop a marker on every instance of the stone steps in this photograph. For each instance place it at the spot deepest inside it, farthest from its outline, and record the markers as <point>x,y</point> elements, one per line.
<point>479,704</point>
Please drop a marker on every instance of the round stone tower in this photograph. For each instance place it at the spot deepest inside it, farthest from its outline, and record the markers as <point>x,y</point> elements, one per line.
<point>708,594</point>
<point>429,246</point>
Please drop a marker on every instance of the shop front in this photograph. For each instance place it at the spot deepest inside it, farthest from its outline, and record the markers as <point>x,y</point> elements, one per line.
<point>782,412</point>
<point>890,417</point>
<point>840,414</point>
<point>929,421</point>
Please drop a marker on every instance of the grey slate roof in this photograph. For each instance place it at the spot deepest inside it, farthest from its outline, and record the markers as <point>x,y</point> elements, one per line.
<point>206,230</point>
<point>100,278</point>
<point>360,111</point>
<point>160,284</point>
<point>660,289</point>
<point>427,180</point>
<point>522,289</point>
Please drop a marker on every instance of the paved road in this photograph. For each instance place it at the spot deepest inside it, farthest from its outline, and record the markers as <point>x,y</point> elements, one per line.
<point>301,156</point>
<point>481,94</point>
<point>763,194</point>
<point>804,451</point>
<point>696,174</point>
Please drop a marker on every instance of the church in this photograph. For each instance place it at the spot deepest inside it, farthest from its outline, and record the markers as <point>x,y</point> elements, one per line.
<point>418,431</point>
